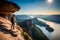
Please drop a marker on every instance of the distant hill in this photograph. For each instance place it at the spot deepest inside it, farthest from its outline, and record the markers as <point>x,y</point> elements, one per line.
<point>21,18</point>
<point>53,18</point>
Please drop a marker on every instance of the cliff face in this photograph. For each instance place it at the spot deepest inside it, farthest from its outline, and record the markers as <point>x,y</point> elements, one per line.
<point>7,34</point>
<point>32,30</point>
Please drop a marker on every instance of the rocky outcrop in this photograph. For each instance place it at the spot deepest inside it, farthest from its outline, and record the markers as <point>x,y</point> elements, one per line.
<point>7,34</point>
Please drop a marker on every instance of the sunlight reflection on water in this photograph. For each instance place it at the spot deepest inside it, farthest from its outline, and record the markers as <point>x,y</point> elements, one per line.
<point>55,35</point>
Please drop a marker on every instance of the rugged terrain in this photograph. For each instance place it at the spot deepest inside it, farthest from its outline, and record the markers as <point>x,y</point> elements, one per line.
<point>16,34</point>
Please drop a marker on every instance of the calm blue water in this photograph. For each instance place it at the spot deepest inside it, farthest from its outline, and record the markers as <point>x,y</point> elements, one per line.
<point>55,35</point>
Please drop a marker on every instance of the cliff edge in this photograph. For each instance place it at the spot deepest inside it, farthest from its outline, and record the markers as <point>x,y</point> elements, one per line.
<point>7,34</point>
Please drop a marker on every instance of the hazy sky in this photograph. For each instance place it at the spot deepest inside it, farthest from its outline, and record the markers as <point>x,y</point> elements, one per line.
<point>38,7</point>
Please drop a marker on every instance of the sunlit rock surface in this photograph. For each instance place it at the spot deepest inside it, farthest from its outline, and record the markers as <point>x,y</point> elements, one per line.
<point>5,34</point>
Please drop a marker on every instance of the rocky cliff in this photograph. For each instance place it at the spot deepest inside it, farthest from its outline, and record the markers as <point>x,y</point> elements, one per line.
<point>35,32</point>
<point>7,34</point>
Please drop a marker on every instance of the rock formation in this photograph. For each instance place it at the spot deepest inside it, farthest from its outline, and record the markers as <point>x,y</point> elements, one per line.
<point>7,34</point>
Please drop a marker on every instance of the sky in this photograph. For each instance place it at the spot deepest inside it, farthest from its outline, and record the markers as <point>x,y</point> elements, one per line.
<point>38,7</point>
